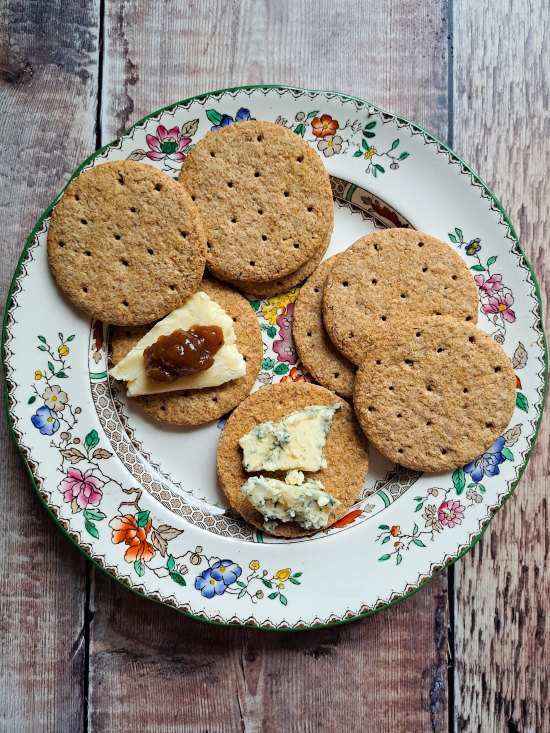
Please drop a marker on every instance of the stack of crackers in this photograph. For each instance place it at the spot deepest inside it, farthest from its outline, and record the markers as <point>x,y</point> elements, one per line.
<point>388,324</point>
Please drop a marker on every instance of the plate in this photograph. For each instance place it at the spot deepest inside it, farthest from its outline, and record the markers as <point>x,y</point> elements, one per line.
<point>142,501</point>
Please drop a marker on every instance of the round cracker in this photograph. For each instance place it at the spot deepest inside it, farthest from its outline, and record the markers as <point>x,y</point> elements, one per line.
<point>125,243</point>
<point>390,277</point>
<point>346,449</point>
<point>283,284</point>
<point>264,197</point>
<point>434,393</point>
<point>315,349</point>
<point>198,406</point>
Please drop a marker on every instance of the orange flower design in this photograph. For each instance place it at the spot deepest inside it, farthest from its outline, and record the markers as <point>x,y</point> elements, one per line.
<point>395,531</point>
<point>324,126</point>
<point>297,375</point>
<point>125,529</point>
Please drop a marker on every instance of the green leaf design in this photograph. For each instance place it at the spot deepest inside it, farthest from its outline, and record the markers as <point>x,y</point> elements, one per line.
<point>241,584</point>
<point>384,557</point>
<point>241,593</point>
<point>470,486</point>
<point>300,130</point>
<point>375,172</point>
<point>398,559</point>
<point>370,125</point>
<point>452,238</point>
<point>170,563</point>
<point>481,488</point>
<point>507,453</point>
<point>294,581</point>
<point>478,268</point>
<point>459,480</point>
<point>281,369</point>
<point>272,332</point>
<point>60,336</point>
<point>364,145</point>
<point>92,439</point>
<point>418,542</point>
<point>386,539</point>
<point>31,399</point>
<point>312,114</point>
<point>70,338</point>
<point>96,514</point>
<point>403,155</point>
<point>91,529</point>
<point>394,144</point>
<point>42,347</point>
<point>50,367</point>
<point>271,596</point>
<point>521,402</point>
<point>177,578</point>
<point>418,498</point>
<point>379,168</point>
<point>369,134</point>
<point>418,507</point>
<point>383,526</point>
<point>139,567</point>
<point>214,117</point>
<point>41,338</point>
<point>255,304</point>
<point>142,518</point>
<point>61,374</point>
<point>459,233</point>
<point>415,529</point>
<point>357,154</point>
<point>491,260</point>
<point>268,363</point>
<point>267,583</point>
<point>283,599</point>
<point>296,575</point>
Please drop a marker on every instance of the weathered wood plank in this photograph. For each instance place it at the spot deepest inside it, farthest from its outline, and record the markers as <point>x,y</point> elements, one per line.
<point>48,78</point>
<point>146,662</point>
<point>501,73</point>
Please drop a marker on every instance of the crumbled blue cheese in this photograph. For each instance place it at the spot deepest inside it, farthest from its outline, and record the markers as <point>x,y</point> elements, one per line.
<point>297,441</point>
<point>307,504</point>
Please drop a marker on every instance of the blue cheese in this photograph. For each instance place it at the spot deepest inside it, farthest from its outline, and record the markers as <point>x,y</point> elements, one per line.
<point>306,504</point>
<point>297,441</point>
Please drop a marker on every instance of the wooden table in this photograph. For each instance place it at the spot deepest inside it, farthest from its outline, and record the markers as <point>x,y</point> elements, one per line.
<point>467,653</point>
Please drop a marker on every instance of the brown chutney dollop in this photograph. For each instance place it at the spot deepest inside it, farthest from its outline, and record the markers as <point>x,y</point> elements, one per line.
<point>181,353</point>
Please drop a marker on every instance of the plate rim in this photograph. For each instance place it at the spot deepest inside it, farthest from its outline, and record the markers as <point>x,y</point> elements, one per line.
<point>454,157</point>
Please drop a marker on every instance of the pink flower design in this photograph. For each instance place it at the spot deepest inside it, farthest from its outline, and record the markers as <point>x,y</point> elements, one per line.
<point>450,513</point>
<point>283,346</point>
<point>81,486</point>
<point>489,286</point>
<point>167,144</point>
<point>501,305</point>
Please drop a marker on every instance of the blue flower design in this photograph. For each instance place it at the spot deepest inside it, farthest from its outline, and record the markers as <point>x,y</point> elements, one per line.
<point>488,463</point>
<point>209,586</point>
<point>243,115</point>
<point>45,420</point>
<point>225,570</point>
<point>473,247</point>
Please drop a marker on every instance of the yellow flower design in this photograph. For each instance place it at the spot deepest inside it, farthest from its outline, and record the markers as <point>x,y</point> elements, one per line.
<point>283,574</point>
<point>369,153</point>
<point>254,565</point>
<point>38,376</point>
<point>278,303</point>
<point>280,585</point>
<point>63,350</point>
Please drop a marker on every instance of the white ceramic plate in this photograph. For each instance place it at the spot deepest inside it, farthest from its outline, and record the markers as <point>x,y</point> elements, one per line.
<point>142,501</point>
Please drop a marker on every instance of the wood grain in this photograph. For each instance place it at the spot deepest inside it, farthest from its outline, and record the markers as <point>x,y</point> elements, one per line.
<point>48,81</point>
<point>501,73</point>
<point>146,662</point>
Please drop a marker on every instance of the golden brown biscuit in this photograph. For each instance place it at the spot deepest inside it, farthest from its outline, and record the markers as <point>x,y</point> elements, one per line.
<point>197,406</point>
<point>264,197</point>
<point>346,449</point>
<point>391,277</point>
<point>434,393</point>
<point>125,243</point>
<point>315,349</point>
